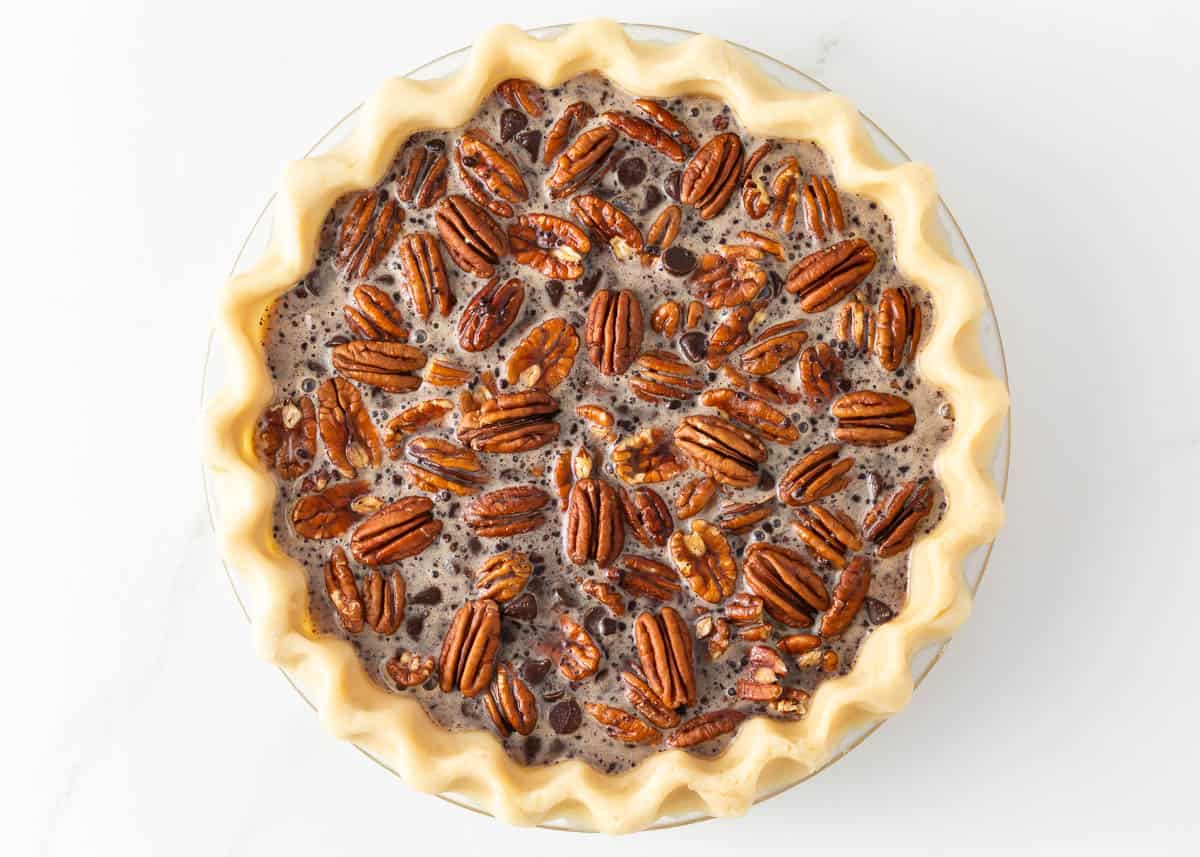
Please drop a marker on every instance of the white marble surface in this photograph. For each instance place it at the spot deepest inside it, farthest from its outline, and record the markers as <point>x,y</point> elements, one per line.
<point>145,137</point>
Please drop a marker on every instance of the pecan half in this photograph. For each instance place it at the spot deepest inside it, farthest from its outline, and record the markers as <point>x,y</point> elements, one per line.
<point>665,118</point>
<point>328,513</point>
<point>816,475</point>
<point>511,422</point>
<point>848,597</point>
<point>510,703</point>
<point>763,388</point>
<point>368,232</point>
<point>819,368</point>
<point>599,420</point>
<point>752,412</point>
<point>376,316</point>
<point>594,527</point>
<point>897,324</point>
<point>342,589</point>
<point>647,702</point>
<point>762,243</point>
<point>442,373</point>
<point>694,496</point>
<point>828,534</point>
<point>712,174</point>
<point>741,518</point>
<point>544,358</point>
<point>642,131</point>
<point>435,464</point>
<point>522,95</point>
<point>728,454</point>
<point>660,376</point>
<point>785,194</point>
<point>409,669</point>
<point>425,274</point>
<point>489,314</point>
<point>666,318</point>
<point>733,332</point>
<point>423,181</point>
<point>483,166</point>
<point>645,577</point>
<point>469,648</point>
<point>755,199</point>
<point>647,515</point>
<point>646,457</point>
<point>550,245</point>
<point>791,591</point>
<point>623,726</point>
<point>507,511</point>
<point>664,646</point>
<point>728,278</point>
<point>705,560</point>
<point>397,531</point>
<point>580,657</point>
<point>694,315</point>
<point>474,240</point>
<point>773,347</point>
<point>287,437</point>
<point>822,208</point>
<point>351,440</point>
<point>582,159</point>
<point>706,727</point>
<point>613,330</point>
<point>852,327</point>
<point>503,576</point>
<point>891,524</point>
<point>608,222</point>
<point>867,418</point>
<point>410,419</point>
<point>825,277</point>
<point>662,234</point>
<point>384,599</point>
<point>386,365</point>
<point>573,115</point>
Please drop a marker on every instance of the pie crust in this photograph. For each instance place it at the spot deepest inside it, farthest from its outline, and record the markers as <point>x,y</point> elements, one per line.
<point>766,753</point>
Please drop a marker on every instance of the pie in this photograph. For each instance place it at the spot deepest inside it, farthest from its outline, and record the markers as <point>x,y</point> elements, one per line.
<point>605,431</point>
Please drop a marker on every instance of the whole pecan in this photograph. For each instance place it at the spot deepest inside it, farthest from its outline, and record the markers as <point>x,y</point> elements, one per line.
<point>376,316</point>
<point>523,95</point>
<point>469,648</point>
<point>642,131</point>
<point>511,422</point>
<point>728,454</point>
<point>503,576</point>
<point>613,331</point>
<point>661,235</point>
<point>410,419</point>
<point>741,518</point>
<point>623,726</point>
<point>661,376</point>
<point>507,511</point>
<point>828,534</point>
<point>397,531</point>
<point>409,669</point>
<point>891,524</point>
<point>384,599</point>
<point>342,589</point>
<point>694,496</point>
<point>767,389</point>
<point>897,324</point>
<point>351,440</point>
<point>435,464</point>
<point>489,314</point>
<point>425,274</point>
<point>848,597</point>
<point>510,703</point>
<point>646,577</point>
<point>728,278</point>
<point>646,457</point>
<point>706,727</point>
<point>733,332</point>
<point>582,159</point>
<point>383,364</point>
<point>867,418</point>
<point>712,175</point>
<point>752,412</point>
<point>580,656</point>
<point>669,122</point>
<point>819,368</point>
<point>705,560</point>
<point>822,208</point>
<point>609,223</point>
<point>423,181</point>
<point>664,646</point>
<point>369,231</point>
<point>544,358</point>
<point>594,527</point>
<point>791,591</point>
<point>491,169</point>
<point>474,240</point>
<point>773,347</point>
<point>816,475</point>
<point>328,513</point>
<point>824,277</point>
<point>647,702</point>
<point>573,115</point>
<point>550,245</point>
<point>647,515</point>
<point>287,437</point>
<point>852,327</point>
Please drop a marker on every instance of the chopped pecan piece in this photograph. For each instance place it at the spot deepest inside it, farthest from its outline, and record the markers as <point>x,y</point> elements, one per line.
<point>661,376</point>
<point>647,515</point>
<point>608,222</point>
<point>423,181</point>
<point>753,413</point>
<point>897,324</point>
<point>342,589</point>
<point>665,118</point>
<point>580,656</point>
<point>507,511</point>
<point>761,388</point>
<point>550,245</point>
<point>409,669</point>
<point>773,347</point>
<point>351,440</point>
<point>397,531</point>
<point>369,231</point>
<point>706,727</point>
<point>563,478</point>
<point>755,199</point>
<point>662,234</point>
<point>646,577</point>
<point>828,534</point>
<point>763,243</point>
<point>712,174</point>
<point>474,240</point>
<point>822,208</point>
<point>694,496</point>
<point>853,326</point>
<point>410,419</point>
<point>328,513</point>
<point>695,314</point>
<point>489,314</point>
<point>425,274</point>
<point>623,726</point>
<point>643,132</point>
<point>482,166</point>
<point>716,633</point>
<point>646,457</point>
<point>599,420</point>
<point>891,524</point>
<point>522,95</point>
<point>664,646</point>
<point>819,367</point>
<point>503,576</point>
<point>705,560</point>
<point>848,597</point>
<point>442,373</point>
<point>793,702</point>
<point>435,464</point>
<point>386,365</point>
<point>867,418</point>
<point>510,703</point>
<point>384,599</point>
<point>825,277</point>
<point>791,591</point>
<point>760,680</point>
<point>647,701</point>
<point>733,332</point>
<point>556,138</point>
<point>469,648</point>
<point>816,475</point>
<point>544,358</point>
<point>376,316</point>
<point>666,318</point>
<point>728,454</point>
<point>287,437</point>
<point>511,422</point>
<point>741,518</point>
<point>784,194</point>
<point>744,609</point>
<point>581,161</point>
<point>799,644</point>
<point>594,527</point>
<point>613,331</point>
<point>605,594</point>
<point>728,278</point>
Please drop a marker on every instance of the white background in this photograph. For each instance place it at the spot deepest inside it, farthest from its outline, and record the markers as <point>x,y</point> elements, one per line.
<point>142,139</point>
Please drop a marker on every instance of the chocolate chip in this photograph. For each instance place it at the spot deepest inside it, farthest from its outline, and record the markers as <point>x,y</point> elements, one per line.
<point>671,184</point>
<point>878,612</point>
<point>523,608</point>
<point>535,671</point>
<point>765,481</point>
<point>429,596</point>
<point>653,197</point>
<point>631,172</point>
<point>531,747</point>
<point>414,626</point>
<point>679,261</point>
<point>420,336</point>
<point>554,289</point>
<point>530,140</point>
<point>511,121</point>
<point>588,284</point>
<point>599,623</point>
<point>566,717</point>
<point>694,346</point>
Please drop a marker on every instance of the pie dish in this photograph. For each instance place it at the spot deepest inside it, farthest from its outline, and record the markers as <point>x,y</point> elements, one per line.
<point>390,725</point>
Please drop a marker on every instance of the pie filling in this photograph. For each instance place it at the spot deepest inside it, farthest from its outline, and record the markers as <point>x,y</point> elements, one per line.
<point>596,424</point>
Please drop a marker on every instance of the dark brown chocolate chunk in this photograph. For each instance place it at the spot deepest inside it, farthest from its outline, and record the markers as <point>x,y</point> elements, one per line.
<point>693,346</point>
<point>535,670</point>
<point>429,596</point>
<point>878,612</point>
<point>631,172</point>
<point>511,122</point>
<point>672,183</point>
<point>565,717</point>
<point>530,140</point>
<point>554,290</point>
<point>523,608</point>
<point>679,261</point>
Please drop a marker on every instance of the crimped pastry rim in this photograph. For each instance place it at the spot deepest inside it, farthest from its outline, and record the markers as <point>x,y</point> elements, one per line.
<point>394,728</point>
